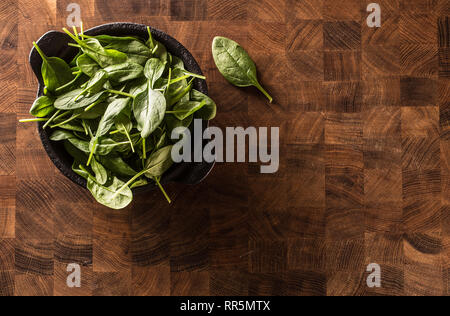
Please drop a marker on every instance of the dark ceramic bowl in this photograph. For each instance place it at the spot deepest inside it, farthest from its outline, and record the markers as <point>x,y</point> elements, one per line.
<point>55,44</point>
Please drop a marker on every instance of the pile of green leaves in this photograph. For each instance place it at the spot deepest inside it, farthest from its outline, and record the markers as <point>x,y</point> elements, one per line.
<point>114,106</point>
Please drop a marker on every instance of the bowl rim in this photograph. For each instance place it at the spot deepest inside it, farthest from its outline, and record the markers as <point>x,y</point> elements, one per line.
<point>186,173</point>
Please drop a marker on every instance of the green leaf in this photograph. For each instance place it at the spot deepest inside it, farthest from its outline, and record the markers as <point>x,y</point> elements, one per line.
<point>149,108</point>
<point>102,56</point>
<point>208,112</point>
<point>87,65</point>
<point>139,183</point>
<point>69,100</point>
<point>105,146</point>
<point>123,123</point>
<point>177,63</point>
<point>112,111</point>
<point>185,109</point>
<point>109,39</point>
<point>43,106</point>
<point>100,172</point>
<point>55,71</point>
<point>117,165</point>
<point>96,83</point>
<point>80,144</point>
<point>124,72</point>
<point>73,151</point>
<point>159,162</point>
<point>154,70</point>
<point>172,122</point>
<point>94,113</point>
<point>161,52</point>
<point>235,64</point>
<point>59,135</point>
<point>137,86</point>
<point>76,168</point>
<point>136,51</point>
<point>106,195</point>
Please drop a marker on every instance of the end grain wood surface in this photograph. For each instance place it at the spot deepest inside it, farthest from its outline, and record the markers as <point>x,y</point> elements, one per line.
<point>365,159</point>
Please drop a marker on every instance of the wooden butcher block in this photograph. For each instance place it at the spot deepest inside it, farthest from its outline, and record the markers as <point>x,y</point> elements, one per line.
<point>364,177</point>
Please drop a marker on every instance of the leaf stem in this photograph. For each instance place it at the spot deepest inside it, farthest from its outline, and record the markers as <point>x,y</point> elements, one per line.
<point>33,120</point>
<point>67,121</point>
<point>82,30</point>
<point>179,79</point>
<point>191,74</point>
<point>129,138</point>
<point>162,190</point>
<point>92,105</point>
<point>121,93</point>
<point>75,31</point>
<point>85,127</point>
<point>150,37</point>
<point>89,174</point>
<point>137,176</point>
<point>168,82</point>
<point>41,53</point>
<point>144,151</point>
<point>91,155</point>
<point>78,74</point>
<point>155,49</point>
<point>181,95</point>
<point>51,119</point>
<point>260,88</point>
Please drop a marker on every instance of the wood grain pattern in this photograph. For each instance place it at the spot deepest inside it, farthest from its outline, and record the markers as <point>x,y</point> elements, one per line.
<point>364,117</point>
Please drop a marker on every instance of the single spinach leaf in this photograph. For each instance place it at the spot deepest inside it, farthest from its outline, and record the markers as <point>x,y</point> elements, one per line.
<point>81,172</point>
<point>139,183</point>
<point>112,111</point>
<point>137,86</point>
<point>136,51</point>
<point>100,172</point>
<point>183,110</point>
<point>94,113</point>
<point>235,64</point>
<point>124,72</point>
<point>177,63</point>
<point>107,196</point>
<point>149,108</point>
<point>80,144</point>
<point>55,71</point>
<point>161,52</point>
<point>154,70</point>
<point>158,163</point>
<point>104,146</point>
<point>73,151</point>
<point>117,165</point>
<point>87,65</point>
<point>72,127</point>
<point>96,83</point>
<point>69,100</point>
<point>59,135</point>
<point>172,122</point>
<point>43,106</point>
<point>208,112</point>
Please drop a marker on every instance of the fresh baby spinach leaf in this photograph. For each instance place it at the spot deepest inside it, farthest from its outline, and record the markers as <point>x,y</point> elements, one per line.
<point>43,106</point>
<point>55,71</point>
<point>149,108</point>
<point>124,72</point>
<point>235,64</point>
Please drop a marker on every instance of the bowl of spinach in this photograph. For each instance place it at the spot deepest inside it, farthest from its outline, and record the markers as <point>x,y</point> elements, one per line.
<point>107,102</point>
